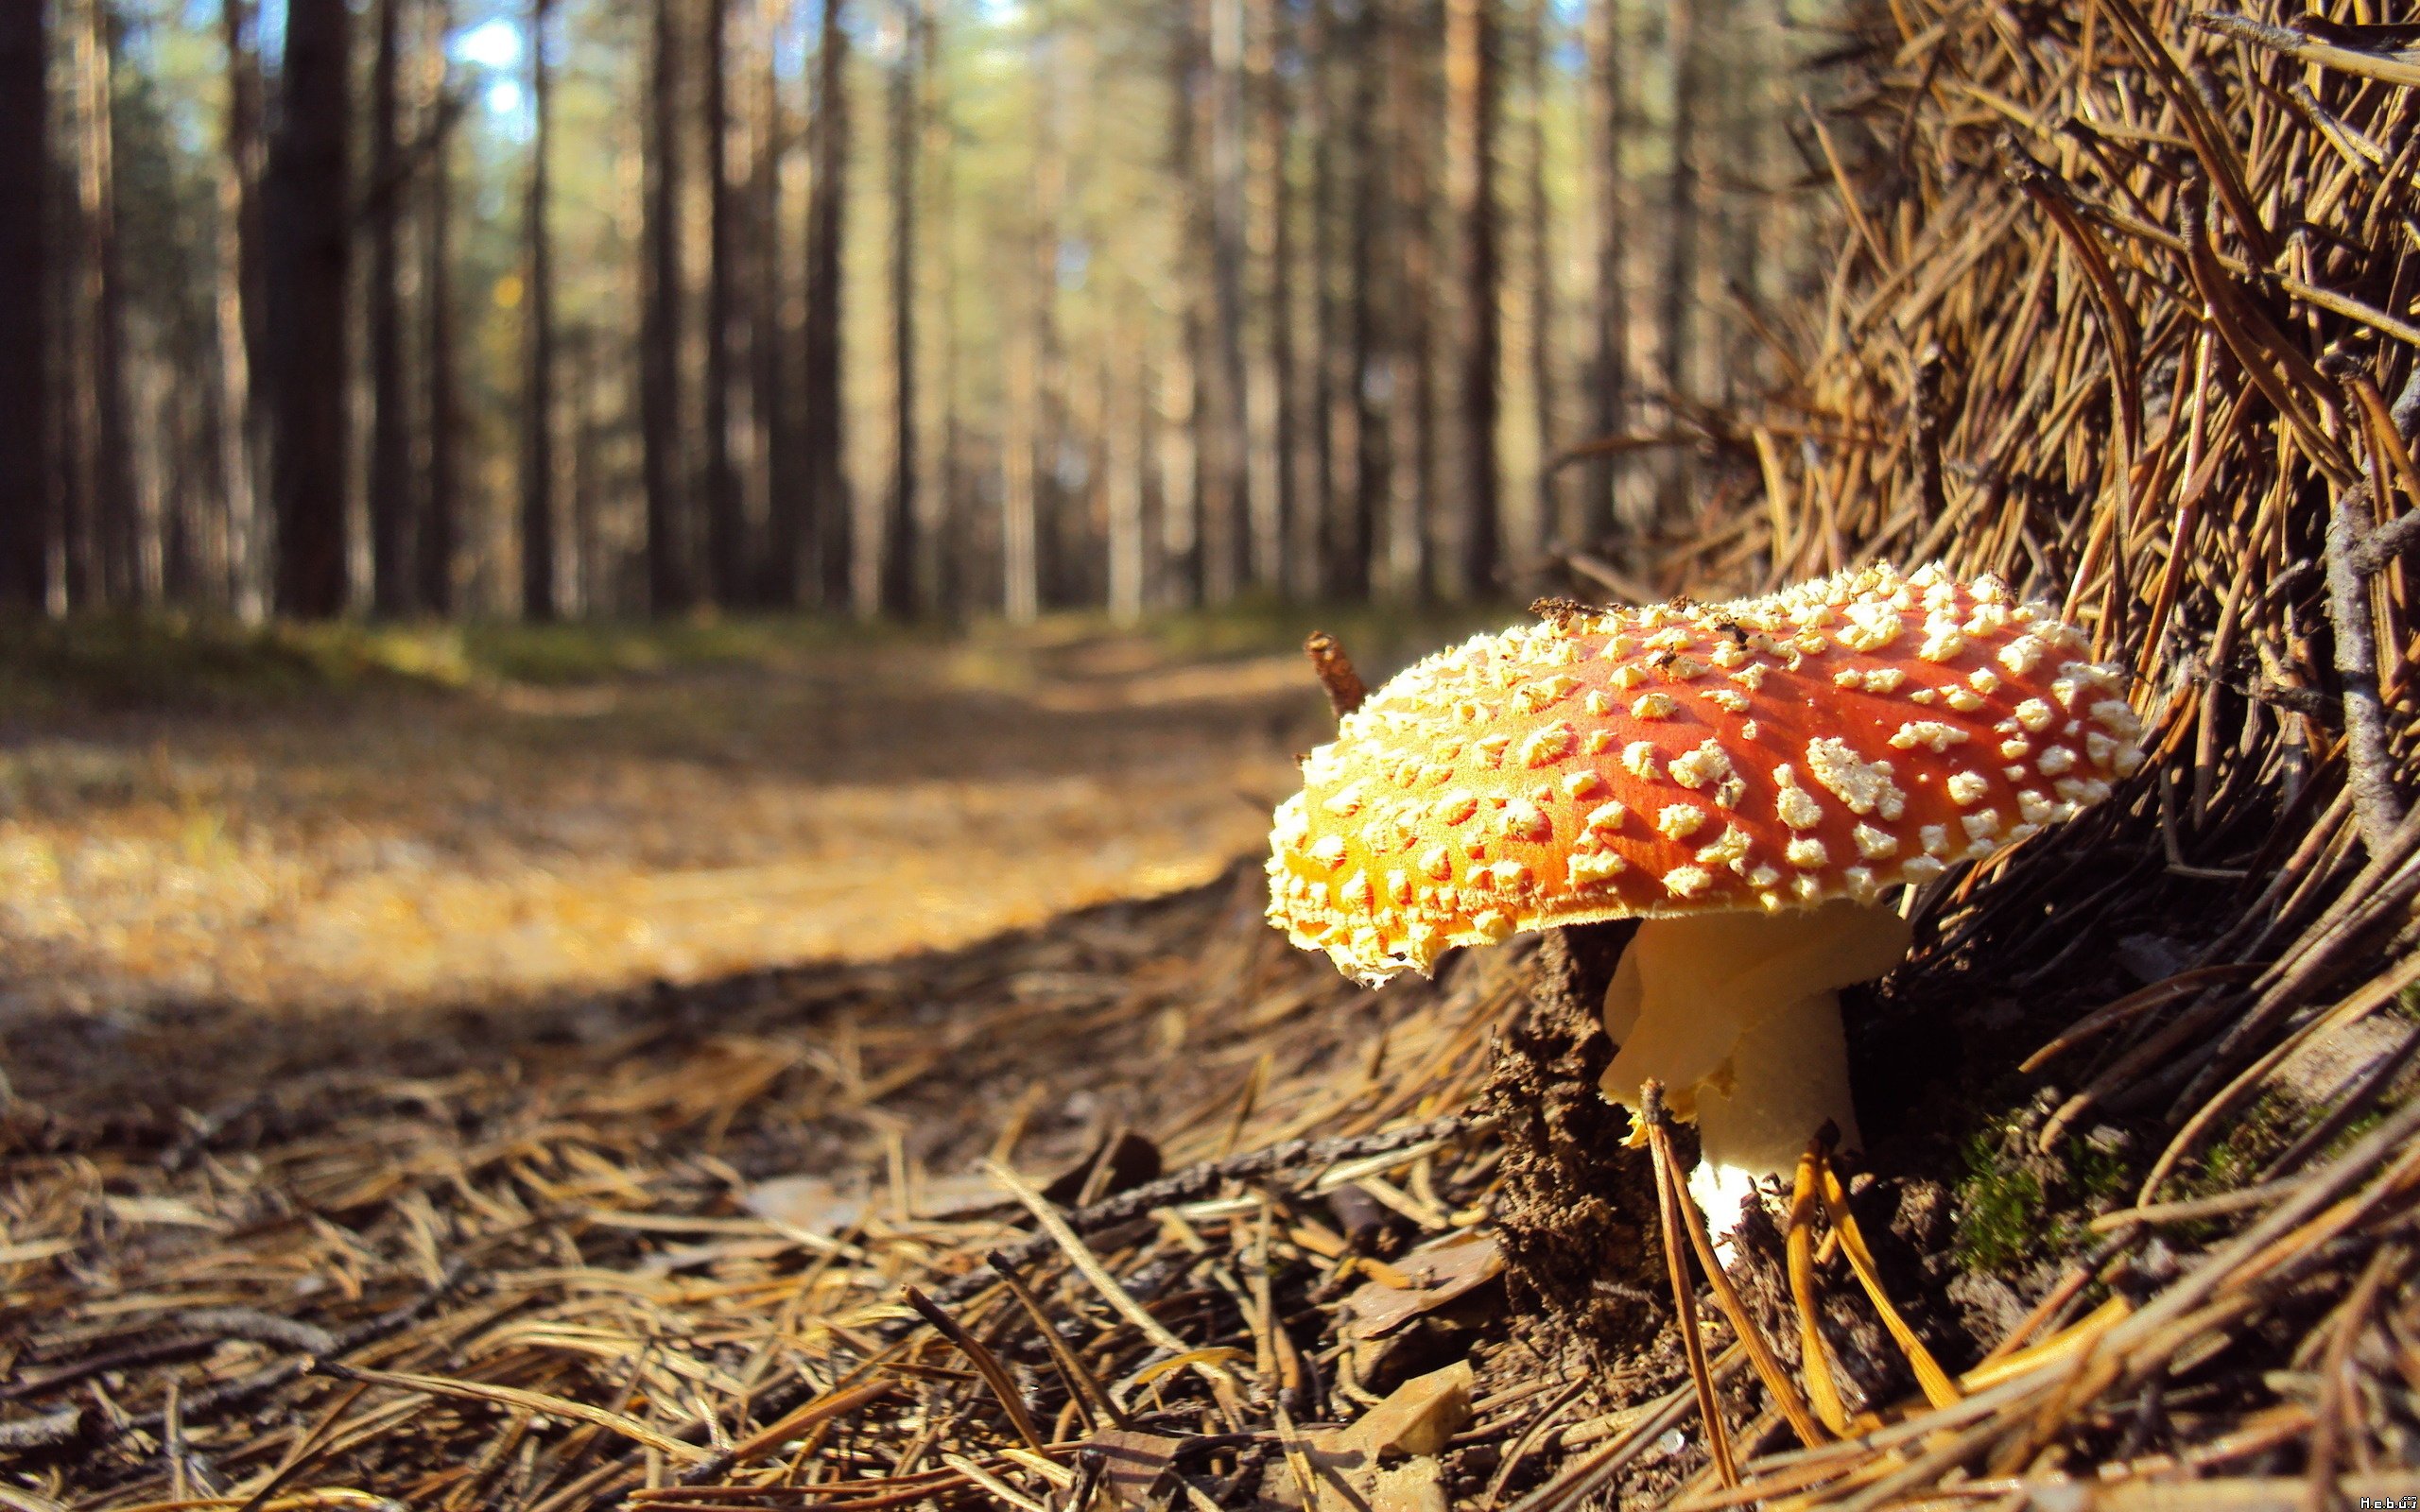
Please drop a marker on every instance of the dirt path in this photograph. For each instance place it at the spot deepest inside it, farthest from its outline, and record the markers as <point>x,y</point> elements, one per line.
<point>412,845</point>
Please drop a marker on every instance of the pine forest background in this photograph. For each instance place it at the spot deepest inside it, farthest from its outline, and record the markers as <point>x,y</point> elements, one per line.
<point>927,309</point>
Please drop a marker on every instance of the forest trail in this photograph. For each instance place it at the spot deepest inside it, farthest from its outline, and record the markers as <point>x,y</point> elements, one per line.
<point>418,844</point>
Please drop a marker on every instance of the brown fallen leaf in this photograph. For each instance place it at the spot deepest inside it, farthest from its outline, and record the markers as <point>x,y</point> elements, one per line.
<point>1135,1466</point>
<point>1385,1460</point>
<point>1440,1272</point>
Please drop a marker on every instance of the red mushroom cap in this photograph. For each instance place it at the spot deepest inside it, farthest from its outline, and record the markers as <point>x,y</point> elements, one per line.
<point>1828,741</point>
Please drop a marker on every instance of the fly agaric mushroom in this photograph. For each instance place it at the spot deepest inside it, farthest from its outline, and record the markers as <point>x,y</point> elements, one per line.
<point>1751,781</point>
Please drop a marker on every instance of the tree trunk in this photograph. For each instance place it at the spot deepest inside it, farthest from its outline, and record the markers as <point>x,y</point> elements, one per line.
<point>101,533</point>
<point>1326,428</point>
<point>1123,419</point>
<point>1269,418</point>
<point>664,458</point>
<point>772,347</point>
<point>237,290</point>
<point>24,305</point>
<point>1544,389</point>
<point>391,574</point>
<point>539,599</point>
<point>1681,201</point>
<point>941,550</point>
<point>1020,438</point>
<point>1411,410</point>
<point>1745,151</point>
<point>1609,368</point>
<point>1362,495</point>
<point>440,511</point>
<point>1226,504</point>
<point>1024,439</point>
<point>1470,177</point>
<point>898,594</point>
<point>585,477</point>
<point>726,525</point>
<point>1181,421</point>
<point>828,526</point>
<point>310,248</point>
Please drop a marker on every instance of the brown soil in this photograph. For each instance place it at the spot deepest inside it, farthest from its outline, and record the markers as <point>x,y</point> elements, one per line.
<point>500,845</point>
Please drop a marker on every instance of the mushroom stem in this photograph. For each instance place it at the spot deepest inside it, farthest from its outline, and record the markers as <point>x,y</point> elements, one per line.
<point>1738,1016</point>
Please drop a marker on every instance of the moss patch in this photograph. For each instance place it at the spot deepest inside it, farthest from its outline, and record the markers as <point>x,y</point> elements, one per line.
<point>2016,1206</point>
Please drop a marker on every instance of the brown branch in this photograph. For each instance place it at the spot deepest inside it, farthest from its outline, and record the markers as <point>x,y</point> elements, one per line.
<point>1345,689</point>
<point>2377,807</point>
<point>2399,67</point>
<point>2369,755</point>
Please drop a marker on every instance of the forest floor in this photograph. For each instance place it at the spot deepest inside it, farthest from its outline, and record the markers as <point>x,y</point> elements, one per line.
<point>367,820</point>
<point>355,1158</point>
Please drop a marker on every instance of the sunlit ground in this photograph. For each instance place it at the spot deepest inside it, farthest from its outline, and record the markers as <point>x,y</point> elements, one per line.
<point>567,812</point>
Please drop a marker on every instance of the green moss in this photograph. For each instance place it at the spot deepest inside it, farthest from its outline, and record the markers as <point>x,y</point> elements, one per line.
<point>2000,1208</point>
<point>2099,1176</point>
<point>2016,1206</point>
<point>2252,1141</point>
<point>2349,1136</point>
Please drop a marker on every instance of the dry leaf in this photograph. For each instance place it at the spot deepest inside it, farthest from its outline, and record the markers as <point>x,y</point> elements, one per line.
<point>1135,1466</point>
<point>1441,1272</point>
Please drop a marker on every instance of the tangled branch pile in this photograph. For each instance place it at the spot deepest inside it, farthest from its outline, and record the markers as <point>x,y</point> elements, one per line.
<point>2120,315</point>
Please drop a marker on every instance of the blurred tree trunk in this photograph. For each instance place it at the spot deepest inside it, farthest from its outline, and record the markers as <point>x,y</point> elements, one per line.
<point>773,342</point>
<point>1123,418</point>
<point>898,585</point>
<point>1471,101</point>
<point>1363,494</point>
<point>1183,482</point>
<point>25,305</point>
<point>665,456</point>
<point>1227,519</point>
<point>939,555</point>
<point>1328,429</point>
<point>1609,368</point>
<point>391,574</point>
<point>309,212</point>
<point>1025,435</point>
<point>1269,399</point>
<point>826,514</point>
<point>539,599</point>
<point>1545,389</point>
<point>440,495</point>
<point>726,524</point>
<point>585,476</point>
<point>1748,205</point>
<point>101,529</point>
<point>1412,403</point>
<point>1020,438</point>
<point>1677,293</point>
<point>236,296</point>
